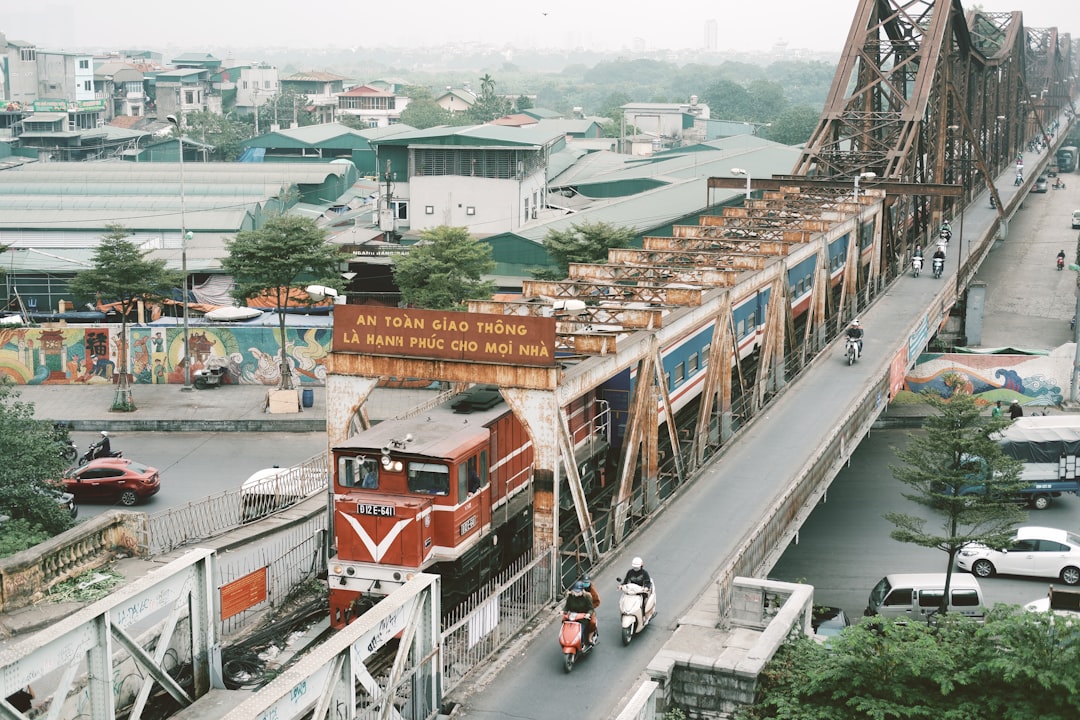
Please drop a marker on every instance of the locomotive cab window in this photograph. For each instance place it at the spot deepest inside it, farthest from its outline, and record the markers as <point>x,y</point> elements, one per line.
<point>470,475</point>
<point>429,479</point>
<point>358,472</point>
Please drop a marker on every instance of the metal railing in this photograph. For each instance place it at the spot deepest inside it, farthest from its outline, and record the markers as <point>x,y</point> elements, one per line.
<point>478,628</point>
<point>173,528</point>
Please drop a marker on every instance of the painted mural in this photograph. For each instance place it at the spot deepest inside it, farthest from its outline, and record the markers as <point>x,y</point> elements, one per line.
<point>87,355</point>
<point>1029,379</point>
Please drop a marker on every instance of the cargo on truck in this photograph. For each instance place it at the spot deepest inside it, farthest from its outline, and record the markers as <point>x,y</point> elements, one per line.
<point>1048,446</point>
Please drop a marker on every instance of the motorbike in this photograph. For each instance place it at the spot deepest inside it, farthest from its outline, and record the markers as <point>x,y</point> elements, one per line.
<point>635,618</point>
<point>944,236</point>
<point>1060,263</point>
<point>939,267</point>
<point>916,265</point>
<point>208,377</point>
<point>94,452</point>
<point>851,350</point>
<point>572,637</point>
<point>67,451</point>
<point>993,203</point>
<point>1019,180</point>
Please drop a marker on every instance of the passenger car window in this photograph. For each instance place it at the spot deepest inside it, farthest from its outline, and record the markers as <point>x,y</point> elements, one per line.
<point>1024,546</point>
<point>965,598</point>
<point>899,596</point>
<point>1052,546</point>
<point>931,598</point>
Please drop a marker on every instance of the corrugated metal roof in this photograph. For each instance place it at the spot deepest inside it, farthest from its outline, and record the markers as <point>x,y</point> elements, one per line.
<point>474,135</point>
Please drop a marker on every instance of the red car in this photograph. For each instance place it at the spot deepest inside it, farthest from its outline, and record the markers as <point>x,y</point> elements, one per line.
<point>107,478</point>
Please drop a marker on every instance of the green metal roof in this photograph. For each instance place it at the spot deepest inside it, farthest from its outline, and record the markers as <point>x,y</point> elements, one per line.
<point>475,136</point>
<point>330,135</point>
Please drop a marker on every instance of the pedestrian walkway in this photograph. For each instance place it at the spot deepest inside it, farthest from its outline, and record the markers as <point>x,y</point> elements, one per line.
<point>168,408</point>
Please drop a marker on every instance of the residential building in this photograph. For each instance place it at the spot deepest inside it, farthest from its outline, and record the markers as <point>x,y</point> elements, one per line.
<point>374,107</point>
<point>456,101</point>
<point>321,90</point>
<point>666,125</point>
<point>123,87</point>
<point>255,85</point>
<point>182,91</point>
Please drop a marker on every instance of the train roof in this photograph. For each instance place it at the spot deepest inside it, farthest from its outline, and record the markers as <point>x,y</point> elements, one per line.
<point>439,432</point>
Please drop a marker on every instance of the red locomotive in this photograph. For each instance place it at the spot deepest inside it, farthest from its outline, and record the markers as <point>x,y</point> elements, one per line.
<point>448,491</point>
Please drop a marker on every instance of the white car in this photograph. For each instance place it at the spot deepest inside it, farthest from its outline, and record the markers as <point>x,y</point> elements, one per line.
<point>1035,551</point>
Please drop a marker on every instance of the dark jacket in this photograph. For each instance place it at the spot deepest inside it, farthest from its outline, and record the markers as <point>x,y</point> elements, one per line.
<point>638,577</point>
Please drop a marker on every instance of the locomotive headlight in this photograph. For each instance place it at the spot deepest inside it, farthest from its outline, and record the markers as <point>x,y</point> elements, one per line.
<point>397,576</point>
<point>337,569</point>
<point>350,571</point>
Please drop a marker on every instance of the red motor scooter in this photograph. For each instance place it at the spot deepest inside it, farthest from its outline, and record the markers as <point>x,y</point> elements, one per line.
<point>572,637</point>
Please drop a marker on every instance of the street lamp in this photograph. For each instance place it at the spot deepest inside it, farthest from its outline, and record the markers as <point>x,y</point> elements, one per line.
<point>860,176</point>
<point>184,237</point>
<point>741,171</point>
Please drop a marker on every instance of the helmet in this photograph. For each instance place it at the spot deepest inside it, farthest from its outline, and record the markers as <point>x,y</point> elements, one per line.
<point>636,563</point>
<point>104,434</point>
<point>855,322</point>
<point>586,581</point>
<point>577,587</point>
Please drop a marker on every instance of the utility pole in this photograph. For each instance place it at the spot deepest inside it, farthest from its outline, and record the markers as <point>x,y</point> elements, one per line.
<point>386,212</point>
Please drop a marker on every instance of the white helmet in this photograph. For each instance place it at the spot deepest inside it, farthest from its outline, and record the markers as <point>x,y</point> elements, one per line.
<point>104,434</point>
<point>636,563</point>
<point>855,322</point>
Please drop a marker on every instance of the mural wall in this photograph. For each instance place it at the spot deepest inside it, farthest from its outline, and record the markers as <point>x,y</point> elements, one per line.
<point>1029,379</point>
<point>85,355</point>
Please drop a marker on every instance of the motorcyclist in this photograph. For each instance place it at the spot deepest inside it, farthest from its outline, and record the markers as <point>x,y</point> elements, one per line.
<point>638,575</point>
<point>586,580</point>
<point>1061,259</point>
<point>917,252</point>
<point>104,446</point>
<point>939,254</point>
<point>855,332</point>
<point>946,230</point>
<point>580,600</point>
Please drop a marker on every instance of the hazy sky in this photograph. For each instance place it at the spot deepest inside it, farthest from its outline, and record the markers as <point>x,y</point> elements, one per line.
<point>193,25</point>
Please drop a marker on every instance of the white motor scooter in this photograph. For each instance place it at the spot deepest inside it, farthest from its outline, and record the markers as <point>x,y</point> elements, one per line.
<point>634,619</point>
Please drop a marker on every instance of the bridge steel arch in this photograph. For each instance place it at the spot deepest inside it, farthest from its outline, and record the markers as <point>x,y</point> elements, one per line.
<point>926,94</point>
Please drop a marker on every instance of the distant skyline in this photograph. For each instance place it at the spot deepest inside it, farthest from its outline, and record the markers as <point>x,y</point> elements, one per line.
<point>193,25</point>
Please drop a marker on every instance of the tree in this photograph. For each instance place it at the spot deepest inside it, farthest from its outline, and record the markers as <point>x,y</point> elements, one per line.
<point>581,243</point>
<point>444,269</point>
<point>794,126</point>
<point>523,102</point>
<point>1016,665</point>
<point>123,274</point>
<point>31,464</point>
<point>286,109</point>
<point>958,452</point>
<point>221,132</point>
<point>489,105</point>
<point>273,260</point>
<point>423,112</point>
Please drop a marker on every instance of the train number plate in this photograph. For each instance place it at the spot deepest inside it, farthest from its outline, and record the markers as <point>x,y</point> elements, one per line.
<point>467,525</point>
<point>378,510</point>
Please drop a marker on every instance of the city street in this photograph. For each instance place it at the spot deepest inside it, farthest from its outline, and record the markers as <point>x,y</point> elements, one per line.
<point>844,548</point>
<point>195,465</point>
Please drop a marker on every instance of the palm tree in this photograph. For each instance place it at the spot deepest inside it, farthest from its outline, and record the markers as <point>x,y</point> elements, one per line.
<point>487,85</point>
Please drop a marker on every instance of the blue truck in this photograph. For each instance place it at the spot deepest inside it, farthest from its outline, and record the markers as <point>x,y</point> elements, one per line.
<point>1049,446</point>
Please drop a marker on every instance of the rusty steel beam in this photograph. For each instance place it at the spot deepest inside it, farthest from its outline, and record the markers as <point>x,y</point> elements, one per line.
<point>605,314</point>
<point>847,185</point>
<point>677,295</point>
<point>718,259</point>
<point>535,378</point>
<point>708,244</point>
<point>702,275</point>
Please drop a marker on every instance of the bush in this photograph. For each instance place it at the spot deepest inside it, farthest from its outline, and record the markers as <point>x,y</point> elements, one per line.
<point>18,535</point>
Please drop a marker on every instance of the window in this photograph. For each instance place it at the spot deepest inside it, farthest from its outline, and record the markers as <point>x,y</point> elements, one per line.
<point>244,85</point>
<point>28,54</point>
<point>429,209</point>
<point>88,85</point>
<point>470,210</point>
<point>266,84</point>
<point>469,478</point>
<point>899,596</point>
<point>680,374</point>
<point>931,598</point>
<point>705,356</point>
<point>358,472</point>
<point>692,364</point>
<point>965,598</point>
<point>84,64</point>
<point>429,479</point>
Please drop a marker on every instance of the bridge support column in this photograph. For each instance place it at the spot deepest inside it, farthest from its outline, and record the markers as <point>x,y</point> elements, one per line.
<point>345,398</point>
<point>973,315</point>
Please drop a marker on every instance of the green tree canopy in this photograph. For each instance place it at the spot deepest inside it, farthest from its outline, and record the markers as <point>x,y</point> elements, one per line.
<point>423,112</point>
<point>488,105</point>
<point>793,126</point>
<point>32,463</point>
<point>222,132</point>
<point>288,252</point>
<point>581,243</point>
<point>957,451</point>
<point>1017,666</point>
<point>123,274</point>
<point>444,269</point>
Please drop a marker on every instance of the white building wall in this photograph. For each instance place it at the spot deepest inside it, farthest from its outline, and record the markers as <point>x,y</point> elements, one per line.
<point>84,78</point>
<point>496,205</point>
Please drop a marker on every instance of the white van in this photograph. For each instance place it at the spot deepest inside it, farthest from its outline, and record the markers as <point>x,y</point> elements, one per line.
<point>1076,219</point>
<point>917,596</point>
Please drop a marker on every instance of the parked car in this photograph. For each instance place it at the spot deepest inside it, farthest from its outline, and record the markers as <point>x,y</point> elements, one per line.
<point>122,479</point>
<point>827,622</point>
<point>1076,219</point>
<point>65,500</point>
<point>1035,551</point>
<point>1041,185</point>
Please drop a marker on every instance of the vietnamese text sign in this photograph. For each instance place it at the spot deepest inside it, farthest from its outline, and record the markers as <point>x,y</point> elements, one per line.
<point>244,593</point>
<point>444,334</point>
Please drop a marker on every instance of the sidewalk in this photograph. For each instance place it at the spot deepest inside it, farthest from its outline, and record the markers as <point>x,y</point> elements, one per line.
<point>167,408</point>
